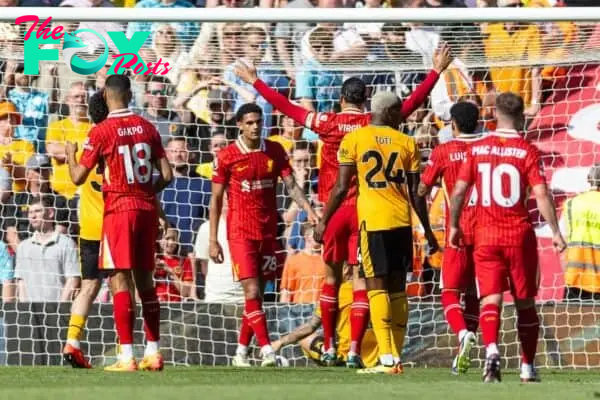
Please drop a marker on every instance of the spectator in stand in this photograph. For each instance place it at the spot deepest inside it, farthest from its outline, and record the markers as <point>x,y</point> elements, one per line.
<point>14,153</point>
<point>220,287</point>
<point>158,90</point>
<point>140,81</point>
<point>217,143</point>
<point>74,129</point>
<point>97,83</point>
<point>254,47</point>
<point>7,274</point>
<point>195,83</point>
<point>47,262</point>
<point>34,105</point>
<point>303,273</point>
<point>185,200</point>
<point>186,31</point>
<point>290,134</point>
<point>512,41</point>
<point>173,275</point>
<point>167,47</point>
<point>16,222</point>
<point>317,87</point>
<point>288,37</point>
<point>580,223</point>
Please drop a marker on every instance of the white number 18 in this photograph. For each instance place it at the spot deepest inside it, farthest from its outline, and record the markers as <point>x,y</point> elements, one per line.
<point>134,163</point>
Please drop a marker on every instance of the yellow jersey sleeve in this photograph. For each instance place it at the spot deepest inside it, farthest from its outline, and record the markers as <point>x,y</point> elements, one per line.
<point>347,152</point>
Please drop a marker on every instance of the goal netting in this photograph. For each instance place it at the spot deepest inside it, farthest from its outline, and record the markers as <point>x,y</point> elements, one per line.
<point>549,56</point>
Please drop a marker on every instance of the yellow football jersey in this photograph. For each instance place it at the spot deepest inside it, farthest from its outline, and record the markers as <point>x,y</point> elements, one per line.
<point>20,151</point>
<point>61,132</point>
<point>91,206</point>
<point>382,157</point>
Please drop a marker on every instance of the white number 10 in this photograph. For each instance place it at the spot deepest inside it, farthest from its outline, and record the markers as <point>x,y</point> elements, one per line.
<point>134,164</point>
<point>491,185</point>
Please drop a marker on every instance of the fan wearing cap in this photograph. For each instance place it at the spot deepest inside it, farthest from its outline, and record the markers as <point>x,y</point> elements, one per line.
<point>16,223</point>
<point>13,152</point>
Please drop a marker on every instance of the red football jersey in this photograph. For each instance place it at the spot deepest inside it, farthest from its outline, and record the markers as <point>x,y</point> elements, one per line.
<point>129,146</point>
<point>332,127</point>
<point>251,179</point>
<point>166,290</point>
<point>502,167</point>
<point>445,162</point>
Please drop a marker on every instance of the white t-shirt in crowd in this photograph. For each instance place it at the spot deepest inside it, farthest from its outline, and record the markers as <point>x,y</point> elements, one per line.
<point>219,285</point>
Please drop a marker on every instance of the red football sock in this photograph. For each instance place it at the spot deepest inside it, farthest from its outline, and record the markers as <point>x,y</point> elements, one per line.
<point>528,327</point>
<point>453,310</point>
<point>359,319</point>
<point>257,320</point>
<point>246,332</point>
<point>489,322</point>
<point>123,310</point>
<point>151,314</point>
<point>471,312</point>
<point>329,309</point>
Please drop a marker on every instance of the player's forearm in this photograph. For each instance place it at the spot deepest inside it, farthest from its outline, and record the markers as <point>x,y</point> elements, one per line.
<point>215,208</point>
<point>546,206</point>
<point>423,190</point>
<point>456,205</point>
<point>301,332</point>
<point>418,97</point>
<point>280,102</point>
<point>75,171</point>
<point>420,205</point>
<point>338,194</point>
<point>536,85</point>
<point>298,196</point>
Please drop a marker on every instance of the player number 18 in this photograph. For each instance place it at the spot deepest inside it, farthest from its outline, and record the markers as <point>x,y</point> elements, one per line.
<point>137,168</point>
<point>491,185</point>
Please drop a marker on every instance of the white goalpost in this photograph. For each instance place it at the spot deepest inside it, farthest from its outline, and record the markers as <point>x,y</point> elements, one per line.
<point>551,56</point>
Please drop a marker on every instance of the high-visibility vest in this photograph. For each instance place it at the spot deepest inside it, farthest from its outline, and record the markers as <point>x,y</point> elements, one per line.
<point>583,250</point>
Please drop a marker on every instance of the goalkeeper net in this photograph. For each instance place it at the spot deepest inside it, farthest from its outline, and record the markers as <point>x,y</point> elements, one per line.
<point>549,56</point>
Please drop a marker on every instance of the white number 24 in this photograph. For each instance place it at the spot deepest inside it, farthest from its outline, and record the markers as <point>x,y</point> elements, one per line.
<point>134,163</point>
<point>491,185</point>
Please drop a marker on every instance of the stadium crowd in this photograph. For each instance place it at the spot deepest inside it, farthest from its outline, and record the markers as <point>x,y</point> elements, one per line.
<point>193,108</point>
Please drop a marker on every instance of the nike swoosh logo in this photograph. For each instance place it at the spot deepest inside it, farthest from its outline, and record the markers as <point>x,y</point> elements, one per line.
<point>239,169</point>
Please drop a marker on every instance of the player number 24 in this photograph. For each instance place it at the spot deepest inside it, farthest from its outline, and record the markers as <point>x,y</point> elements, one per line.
<point>491,185</point>
<point>137,168</point>
<point>390,174</point>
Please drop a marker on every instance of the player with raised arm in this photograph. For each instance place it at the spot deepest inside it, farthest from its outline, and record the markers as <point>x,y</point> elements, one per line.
<point>248,170</point>
<point>91,208</point>
<point>502,167</point>
<point>384,160</point>
<point>341,238</point>
<point>130,148</point>
<point>458,268</point>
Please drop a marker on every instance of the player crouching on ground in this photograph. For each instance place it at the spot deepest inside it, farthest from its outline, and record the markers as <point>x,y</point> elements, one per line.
<point>248,170</point>
<point>130,149</point>
<point>312,341</point>
<point>458,268</point>
<point>502,167</point>
<point>383,159</point>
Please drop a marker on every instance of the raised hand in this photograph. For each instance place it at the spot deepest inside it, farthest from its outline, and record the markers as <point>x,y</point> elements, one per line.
<point>442,57</point>
<point>246,71</point>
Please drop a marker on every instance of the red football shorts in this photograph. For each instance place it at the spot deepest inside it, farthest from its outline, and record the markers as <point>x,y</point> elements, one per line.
<point>458,268</point>
<point>340,239</point>
<point>499,268</point>
<point>128,240</point>
<point>256,259</point>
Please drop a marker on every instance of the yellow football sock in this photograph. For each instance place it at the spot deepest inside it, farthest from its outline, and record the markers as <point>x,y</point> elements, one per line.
<point>76,325</point>
<point>381,318</point>
<point>399,305</point>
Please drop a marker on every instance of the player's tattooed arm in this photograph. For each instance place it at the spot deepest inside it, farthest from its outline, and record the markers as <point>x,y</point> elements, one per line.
<point>297,194</point>
<point>420,205</point>
<point>456,202</point>
<point>299,333</point>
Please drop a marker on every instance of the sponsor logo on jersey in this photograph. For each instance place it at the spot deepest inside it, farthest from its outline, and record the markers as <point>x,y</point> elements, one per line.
<point>248,186</point>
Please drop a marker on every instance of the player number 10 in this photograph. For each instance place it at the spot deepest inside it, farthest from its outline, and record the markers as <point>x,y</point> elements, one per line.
<point>491,185</point>
<point>137,168</point>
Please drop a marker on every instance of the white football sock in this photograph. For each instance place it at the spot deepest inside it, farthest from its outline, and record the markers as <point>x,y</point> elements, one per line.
<point>267,350</point>
<point>242,350</point>
<point>73,342</point>
<point>491,349</point>
<point>151,348</point>
<point>387,360</point>
<point>462,334</point>
<point>126,352</point>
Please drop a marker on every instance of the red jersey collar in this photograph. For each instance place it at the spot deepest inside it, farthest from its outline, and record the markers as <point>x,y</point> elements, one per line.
<point>244,149</point>
<point>467,138</point>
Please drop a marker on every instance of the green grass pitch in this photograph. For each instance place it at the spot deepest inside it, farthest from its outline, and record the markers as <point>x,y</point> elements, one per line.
<point>183,383</point>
